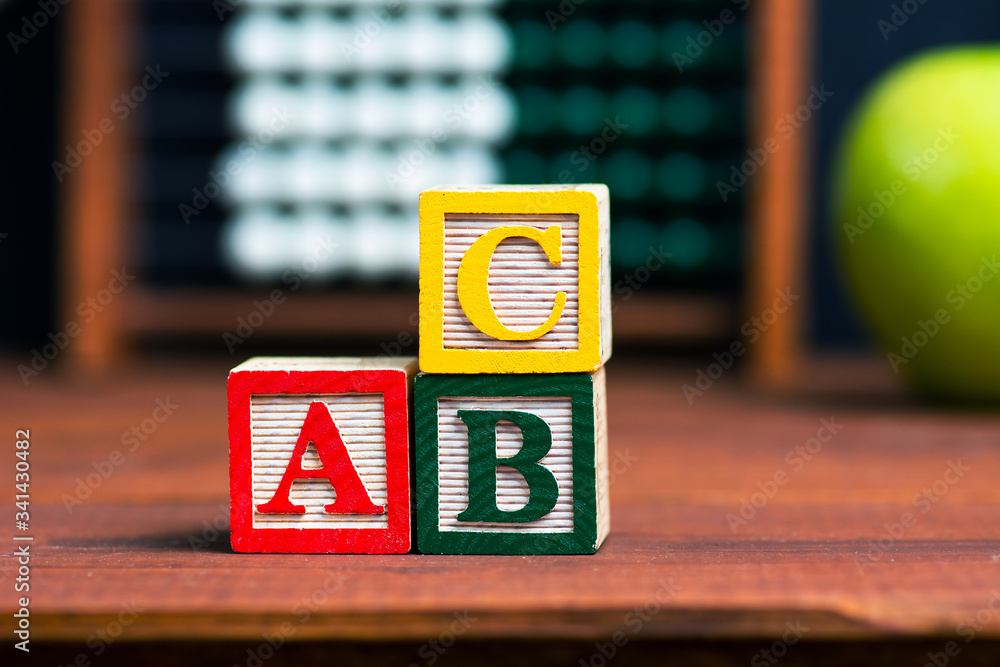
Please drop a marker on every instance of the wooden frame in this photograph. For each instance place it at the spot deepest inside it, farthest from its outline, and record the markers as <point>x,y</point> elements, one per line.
<point>94,206</point>
<point>779,207</point>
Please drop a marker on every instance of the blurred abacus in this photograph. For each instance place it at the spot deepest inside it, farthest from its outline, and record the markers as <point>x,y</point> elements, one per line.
<point>372,103</point>
<point>296,136</point>
<point>609,93</point>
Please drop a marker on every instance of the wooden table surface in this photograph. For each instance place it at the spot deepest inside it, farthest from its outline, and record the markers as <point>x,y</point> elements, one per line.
<point>827,550</point>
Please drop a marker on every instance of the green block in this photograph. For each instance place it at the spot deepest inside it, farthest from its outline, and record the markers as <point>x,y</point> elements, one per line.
<point>511,464</point>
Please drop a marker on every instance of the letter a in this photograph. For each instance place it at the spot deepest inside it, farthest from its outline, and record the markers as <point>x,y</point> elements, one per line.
<point>320,430</point>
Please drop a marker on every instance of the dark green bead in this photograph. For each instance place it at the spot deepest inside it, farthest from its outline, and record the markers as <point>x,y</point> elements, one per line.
<point>580,43</point>
<point>687,111</point>
<point>687,241</point>
<point>629,174</point>
<point>583,110</point>
<point>638,108</point>
<point>533,44</point>
<point>681,177</point>
<point>632,44</point>
<point>631,240</point>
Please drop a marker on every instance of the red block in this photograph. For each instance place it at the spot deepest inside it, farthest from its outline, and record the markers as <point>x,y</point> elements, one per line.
<point>319,455</point>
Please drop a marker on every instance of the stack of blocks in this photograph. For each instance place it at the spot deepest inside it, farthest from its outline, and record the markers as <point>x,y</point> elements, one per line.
<point>510,437</point>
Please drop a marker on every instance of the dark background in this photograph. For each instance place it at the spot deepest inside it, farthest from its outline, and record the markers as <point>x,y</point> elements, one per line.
<point>850,53</point>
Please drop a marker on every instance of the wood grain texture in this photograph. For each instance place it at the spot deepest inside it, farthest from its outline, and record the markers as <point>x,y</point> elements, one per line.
<point>566,403</point>
<point>782,63</point>
<point>275,423</point>
<point>512,490</point>
<point>601,461</point>
<point>94,233</point>
<point>359,411</point>
<point>155,530</point>
<point>523,283</point>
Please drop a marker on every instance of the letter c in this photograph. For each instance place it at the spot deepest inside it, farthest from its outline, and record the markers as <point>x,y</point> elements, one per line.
<point>473,280</point>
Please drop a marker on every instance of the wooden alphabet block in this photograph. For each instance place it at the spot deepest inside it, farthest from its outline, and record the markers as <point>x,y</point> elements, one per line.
<point>511,464</point>
<point>319,455</point>
<point>515,279</point>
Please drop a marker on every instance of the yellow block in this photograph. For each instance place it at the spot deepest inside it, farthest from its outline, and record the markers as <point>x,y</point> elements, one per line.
<point>515,279</point>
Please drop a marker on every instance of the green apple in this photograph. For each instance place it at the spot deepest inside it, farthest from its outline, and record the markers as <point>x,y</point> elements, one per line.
<point>917,219</point>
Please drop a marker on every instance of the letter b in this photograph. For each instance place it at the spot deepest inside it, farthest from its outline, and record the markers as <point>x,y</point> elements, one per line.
<point>543,491</point>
